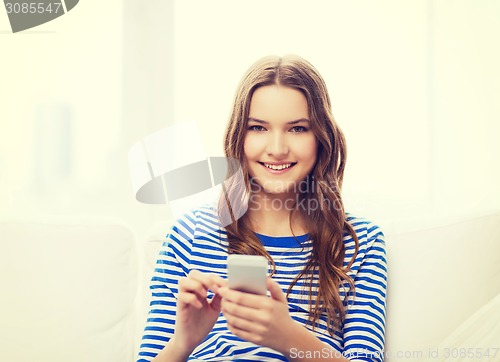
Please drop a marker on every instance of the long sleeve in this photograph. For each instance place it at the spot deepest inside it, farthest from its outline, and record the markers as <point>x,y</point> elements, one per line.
<point>172,264</point>
<point>364,325</point>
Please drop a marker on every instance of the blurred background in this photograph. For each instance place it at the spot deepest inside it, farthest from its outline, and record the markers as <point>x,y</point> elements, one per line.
<point>415,86</point>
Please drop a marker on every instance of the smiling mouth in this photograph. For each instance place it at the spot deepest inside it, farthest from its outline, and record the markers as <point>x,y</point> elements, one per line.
<point>280,167</point>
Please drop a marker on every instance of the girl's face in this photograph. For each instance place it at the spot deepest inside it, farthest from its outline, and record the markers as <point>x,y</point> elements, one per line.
<point>280,147</point>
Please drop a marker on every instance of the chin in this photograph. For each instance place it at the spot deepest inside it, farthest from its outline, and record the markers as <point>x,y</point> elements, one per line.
<point>275,187</point>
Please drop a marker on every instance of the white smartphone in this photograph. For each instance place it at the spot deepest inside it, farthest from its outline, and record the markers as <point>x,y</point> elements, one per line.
<point>247,273</point>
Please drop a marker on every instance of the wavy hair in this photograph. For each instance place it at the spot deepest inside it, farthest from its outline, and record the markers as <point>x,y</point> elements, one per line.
<point>326,224</point>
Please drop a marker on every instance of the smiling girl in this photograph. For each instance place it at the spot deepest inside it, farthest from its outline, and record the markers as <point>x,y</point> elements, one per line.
<point>327,288</point>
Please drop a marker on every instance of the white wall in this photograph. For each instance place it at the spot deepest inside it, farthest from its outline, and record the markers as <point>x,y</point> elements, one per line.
<point>414,86</point>
<point>60,113</point>
<point>466,109</point>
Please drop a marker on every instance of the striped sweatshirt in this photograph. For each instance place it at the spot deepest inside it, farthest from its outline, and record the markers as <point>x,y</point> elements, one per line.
<point>196,241</point>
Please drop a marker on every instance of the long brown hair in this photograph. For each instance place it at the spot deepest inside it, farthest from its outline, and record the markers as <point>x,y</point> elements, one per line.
<point>326,223</point>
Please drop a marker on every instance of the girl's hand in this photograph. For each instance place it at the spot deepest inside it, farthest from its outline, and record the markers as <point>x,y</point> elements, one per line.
<point>257,318</point>
<point>196,315</point>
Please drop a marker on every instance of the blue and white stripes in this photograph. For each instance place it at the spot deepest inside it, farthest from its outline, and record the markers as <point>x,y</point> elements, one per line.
<point>196,241</point>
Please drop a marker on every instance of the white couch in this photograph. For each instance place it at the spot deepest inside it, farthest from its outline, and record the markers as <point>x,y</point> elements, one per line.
<point>75,289</point>
<point>441,273</point>
<point>68,287</point>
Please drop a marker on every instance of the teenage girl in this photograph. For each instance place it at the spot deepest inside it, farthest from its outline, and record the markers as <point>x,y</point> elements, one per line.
<point>327,288</point>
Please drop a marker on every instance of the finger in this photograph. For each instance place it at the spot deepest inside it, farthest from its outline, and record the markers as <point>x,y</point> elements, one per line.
<point>187,285</point>
<point>209,281</point>
<point>218,281</point>
<point>243,324</point>
<point>215,302</point>
<point>245,335</point>
<point>243,312</point>
<point>186,299</point>
<point>247,299</point>
<point>276,292</point>
<point>196,288</point>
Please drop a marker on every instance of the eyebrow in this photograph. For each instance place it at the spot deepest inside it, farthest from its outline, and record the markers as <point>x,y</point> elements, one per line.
<point>251,119</point>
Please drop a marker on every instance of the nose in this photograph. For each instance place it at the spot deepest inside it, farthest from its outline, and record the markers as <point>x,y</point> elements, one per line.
<point>277,145</point>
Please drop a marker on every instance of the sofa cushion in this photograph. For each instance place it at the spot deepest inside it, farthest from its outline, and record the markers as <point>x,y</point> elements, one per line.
<point>477,338</point>
<point>438,277</point>
<point>67,290</point>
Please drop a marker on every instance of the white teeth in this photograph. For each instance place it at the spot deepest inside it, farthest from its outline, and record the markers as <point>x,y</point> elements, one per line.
<point>278,167</point>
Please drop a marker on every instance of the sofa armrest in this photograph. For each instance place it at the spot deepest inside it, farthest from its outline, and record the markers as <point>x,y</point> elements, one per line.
<point>68,290</point>
<point>439,276</point>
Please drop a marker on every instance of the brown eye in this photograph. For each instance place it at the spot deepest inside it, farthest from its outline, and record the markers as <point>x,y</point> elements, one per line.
<point>298,129</point>
<point>256,128</point>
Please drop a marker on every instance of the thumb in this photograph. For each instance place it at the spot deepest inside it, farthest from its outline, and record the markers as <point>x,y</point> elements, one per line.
<point>275,289</point>
<point>215,303</point>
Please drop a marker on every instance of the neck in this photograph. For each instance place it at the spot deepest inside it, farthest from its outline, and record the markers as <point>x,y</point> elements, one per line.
<point>269,214</point>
